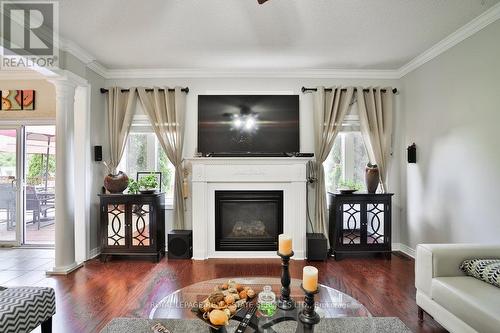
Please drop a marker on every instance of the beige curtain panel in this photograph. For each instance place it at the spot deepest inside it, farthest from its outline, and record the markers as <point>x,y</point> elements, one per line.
<point>376,119</point>
<point>167,110</point>
<point>330,108</point>
<point>119,118</point>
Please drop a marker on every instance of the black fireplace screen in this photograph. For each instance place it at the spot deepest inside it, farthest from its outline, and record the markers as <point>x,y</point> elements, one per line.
<point>248,220</point>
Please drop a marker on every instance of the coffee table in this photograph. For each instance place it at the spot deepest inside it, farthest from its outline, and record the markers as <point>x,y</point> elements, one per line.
<point>330,303</point>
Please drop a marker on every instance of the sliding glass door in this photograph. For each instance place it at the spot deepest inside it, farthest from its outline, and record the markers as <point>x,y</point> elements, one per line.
<point>10,185</point>
<point>27,185</point>
<point>39,184</point>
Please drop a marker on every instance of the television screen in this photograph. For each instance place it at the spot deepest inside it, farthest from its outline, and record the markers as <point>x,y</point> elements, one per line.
<point>248,124</point>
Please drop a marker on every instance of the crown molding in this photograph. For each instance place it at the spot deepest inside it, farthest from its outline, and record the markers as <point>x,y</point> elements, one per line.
<point>469,29</point>
<point>98,69</point>
<point>252,73</point>
<point>76,50</point>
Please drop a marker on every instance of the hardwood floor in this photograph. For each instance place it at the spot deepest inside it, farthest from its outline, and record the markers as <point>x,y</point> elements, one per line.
<point>96,293</point>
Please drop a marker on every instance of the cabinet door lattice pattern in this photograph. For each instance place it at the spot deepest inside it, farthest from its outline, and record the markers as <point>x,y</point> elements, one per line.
<point>116,225</point>
<point>141,225</point>
<point>351,225</point>
<point>375,223</point>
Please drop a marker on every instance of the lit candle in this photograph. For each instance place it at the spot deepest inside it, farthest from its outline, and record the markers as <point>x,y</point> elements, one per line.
<point>285,244</point>
<point>310,278</point>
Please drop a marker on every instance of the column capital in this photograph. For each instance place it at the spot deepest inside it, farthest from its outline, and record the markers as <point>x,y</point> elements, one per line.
<point>66,82</point>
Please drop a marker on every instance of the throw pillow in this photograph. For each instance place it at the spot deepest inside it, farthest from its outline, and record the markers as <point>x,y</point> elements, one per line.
<point>487,270</point>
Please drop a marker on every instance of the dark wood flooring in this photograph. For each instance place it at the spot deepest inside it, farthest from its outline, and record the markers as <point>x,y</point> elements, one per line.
<point>96,293</point>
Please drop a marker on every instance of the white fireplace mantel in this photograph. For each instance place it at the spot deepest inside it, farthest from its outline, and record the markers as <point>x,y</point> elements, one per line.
<point>282,173</point>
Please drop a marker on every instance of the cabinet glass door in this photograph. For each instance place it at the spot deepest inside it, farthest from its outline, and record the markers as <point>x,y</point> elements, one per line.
<point>350,214</point>
<point>140,225</point>
<point>116,225</point>
<point>375,214</point>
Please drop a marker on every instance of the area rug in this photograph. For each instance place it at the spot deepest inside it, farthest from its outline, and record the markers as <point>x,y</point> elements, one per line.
<point>330,325</point>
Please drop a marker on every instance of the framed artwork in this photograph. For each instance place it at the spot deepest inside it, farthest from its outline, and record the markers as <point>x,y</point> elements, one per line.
<point>17,100</point>
<point>141,174</point>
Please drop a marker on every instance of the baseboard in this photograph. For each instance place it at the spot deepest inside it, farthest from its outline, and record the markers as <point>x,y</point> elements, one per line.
<point>95,252</point>
<point>404,248</point>
<point>64,270</point>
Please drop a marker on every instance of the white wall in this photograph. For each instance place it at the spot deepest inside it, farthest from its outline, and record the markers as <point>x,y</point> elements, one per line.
<point>451,108</point>
<point>45,100</point>
<point>262,85</point>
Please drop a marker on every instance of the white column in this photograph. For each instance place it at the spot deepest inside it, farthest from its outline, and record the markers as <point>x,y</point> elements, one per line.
<point>65,180</point>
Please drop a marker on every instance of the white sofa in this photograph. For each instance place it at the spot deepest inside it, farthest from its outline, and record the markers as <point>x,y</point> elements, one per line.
<point>458,302</point>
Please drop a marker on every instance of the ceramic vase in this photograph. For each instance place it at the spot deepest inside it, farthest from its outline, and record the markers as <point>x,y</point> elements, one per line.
<point>116,183</point>
<point>372,178</point>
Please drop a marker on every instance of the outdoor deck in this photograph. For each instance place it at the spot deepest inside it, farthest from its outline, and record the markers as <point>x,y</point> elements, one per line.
<point>44,236</point>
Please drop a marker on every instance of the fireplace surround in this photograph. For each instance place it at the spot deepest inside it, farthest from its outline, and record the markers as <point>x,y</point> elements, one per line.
<point>210,175</point>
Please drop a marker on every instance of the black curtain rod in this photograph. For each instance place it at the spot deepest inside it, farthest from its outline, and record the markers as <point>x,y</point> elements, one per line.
<point>304,89</point>
<point>186,90</point>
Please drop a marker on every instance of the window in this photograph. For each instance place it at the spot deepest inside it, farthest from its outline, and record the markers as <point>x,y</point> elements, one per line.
<point>348,157</point>
<point>143,152</point>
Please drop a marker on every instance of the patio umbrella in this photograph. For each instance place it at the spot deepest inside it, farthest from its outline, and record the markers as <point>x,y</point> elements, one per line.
<point>38,141</point>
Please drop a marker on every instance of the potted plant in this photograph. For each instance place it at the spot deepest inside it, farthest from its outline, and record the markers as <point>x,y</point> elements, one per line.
<point>148,184</point>
<point>348,186</point>
<point>133,186</point>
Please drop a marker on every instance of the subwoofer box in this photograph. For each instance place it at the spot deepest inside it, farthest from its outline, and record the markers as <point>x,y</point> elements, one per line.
<point>317,247</point>
<point>180,244</point>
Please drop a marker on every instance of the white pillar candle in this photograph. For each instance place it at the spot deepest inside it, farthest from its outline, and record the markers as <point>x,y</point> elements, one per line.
<point>310,278</point>
<point>285,244</point>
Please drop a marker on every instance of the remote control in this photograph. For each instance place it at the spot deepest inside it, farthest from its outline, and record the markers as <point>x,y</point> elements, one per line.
<point>246,320</point>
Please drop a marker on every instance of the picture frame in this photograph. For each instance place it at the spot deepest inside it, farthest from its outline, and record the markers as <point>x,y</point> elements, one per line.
<point>17,100</point>
<point>141,174</point>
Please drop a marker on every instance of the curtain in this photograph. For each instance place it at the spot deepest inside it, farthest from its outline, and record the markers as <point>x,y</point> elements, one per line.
<point>376,118</point>
<point>330,108</point>
<point>119,117</point>
<point>166,110</point>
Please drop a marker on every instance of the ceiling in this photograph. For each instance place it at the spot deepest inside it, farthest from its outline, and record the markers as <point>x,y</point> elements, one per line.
<point>280,34</point>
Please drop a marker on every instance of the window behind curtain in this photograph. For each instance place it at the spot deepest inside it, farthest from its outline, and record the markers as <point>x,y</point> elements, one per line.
<point>348,158</point>
<point>143,152</point>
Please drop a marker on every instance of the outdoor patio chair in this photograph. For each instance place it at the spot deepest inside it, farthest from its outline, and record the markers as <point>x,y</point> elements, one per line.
<point>8,204</point>
<point>37,204</point>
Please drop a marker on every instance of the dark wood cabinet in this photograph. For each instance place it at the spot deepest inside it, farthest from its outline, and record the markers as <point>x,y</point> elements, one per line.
<point>360,223</point>
<point>132,225</point>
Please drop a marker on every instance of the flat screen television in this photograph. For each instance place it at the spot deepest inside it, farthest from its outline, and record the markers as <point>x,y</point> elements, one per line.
<point>248,124</point>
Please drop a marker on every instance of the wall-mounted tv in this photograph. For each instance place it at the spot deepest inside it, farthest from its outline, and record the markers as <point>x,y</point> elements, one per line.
<point>248,124</point>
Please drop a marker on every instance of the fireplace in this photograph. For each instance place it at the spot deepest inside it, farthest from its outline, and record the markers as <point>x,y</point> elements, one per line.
<point>248,220</point>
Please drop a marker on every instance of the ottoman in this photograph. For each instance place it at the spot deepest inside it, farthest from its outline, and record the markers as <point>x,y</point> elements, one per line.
<point>22,309</point>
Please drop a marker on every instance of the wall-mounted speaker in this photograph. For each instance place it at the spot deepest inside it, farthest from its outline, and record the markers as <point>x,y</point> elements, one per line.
<point>317,247</point>
<point>98,153</point>
<point>412,153</point>
<point>180,244</point>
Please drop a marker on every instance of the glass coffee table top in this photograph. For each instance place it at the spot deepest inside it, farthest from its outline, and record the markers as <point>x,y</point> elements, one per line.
<point>330,303</point>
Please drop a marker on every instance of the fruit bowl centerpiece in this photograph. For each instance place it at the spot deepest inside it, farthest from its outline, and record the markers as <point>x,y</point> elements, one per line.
<point>223,303</point>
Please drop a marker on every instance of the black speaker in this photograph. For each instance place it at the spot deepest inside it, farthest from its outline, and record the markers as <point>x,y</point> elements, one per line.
<point>317,248</point>
<point>412,153</point>
<point>98,153</point>
<point>180,244</point>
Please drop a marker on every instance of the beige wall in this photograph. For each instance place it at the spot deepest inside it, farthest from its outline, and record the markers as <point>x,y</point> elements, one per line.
<point>451,109</point>
<point>45,100</point>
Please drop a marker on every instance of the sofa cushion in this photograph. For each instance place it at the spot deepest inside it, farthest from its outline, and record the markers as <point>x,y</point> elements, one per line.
<point>473,301</point>
<point>487,270</point>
